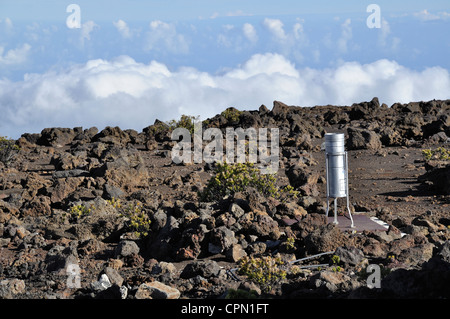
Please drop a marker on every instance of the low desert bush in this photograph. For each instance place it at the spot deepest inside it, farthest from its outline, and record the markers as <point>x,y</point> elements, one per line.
<point>137,220</point>
<point>231,114</point>
<point>440,153</point>
<point>186,121</point>
<point>264,271</point>
<point>77,212</point>
<point>233,178</point>
<point>8,150</point>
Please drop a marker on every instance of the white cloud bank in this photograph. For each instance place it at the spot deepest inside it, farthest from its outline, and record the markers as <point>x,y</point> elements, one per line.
<point>250,32</point>
<point>163,36</point>
<point>14,56</point>
<point>86,30</point>
<point>425,15</point>
<point>275,26</point>
<point>123,28</point>
<point>129,94</point>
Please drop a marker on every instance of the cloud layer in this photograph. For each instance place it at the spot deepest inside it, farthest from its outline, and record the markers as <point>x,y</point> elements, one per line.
<point>14,56</point>
<point>130,94</point>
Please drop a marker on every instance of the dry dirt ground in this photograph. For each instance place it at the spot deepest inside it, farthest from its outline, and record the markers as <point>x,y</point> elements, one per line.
<point>389,179</point>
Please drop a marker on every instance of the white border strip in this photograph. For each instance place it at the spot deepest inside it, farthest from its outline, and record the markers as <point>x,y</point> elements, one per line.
<point>382,223</point>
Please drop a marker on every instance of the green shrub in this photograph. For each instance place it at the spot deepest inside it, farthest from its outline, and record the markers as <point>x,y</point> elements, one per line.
<point>79,211</point>
<point>137,219</point>
<point>231,114</point>
<point>440,153</point>
<point>186,121</point>
<point>163,128</point>
<point>335,260</point>
<point>158,128</point>
<point>8,149</point>
<point>116,203</point>
<point>233,178</point>
<point>336,269</point>
<point>288,192</point>
<point>263,271</point>
<point>290,244</point>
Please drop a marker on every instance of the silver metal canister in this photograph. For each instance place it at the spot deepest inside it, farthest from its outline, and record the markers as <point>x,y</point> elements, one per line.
<point>336,162</point>
<point>336,170</point>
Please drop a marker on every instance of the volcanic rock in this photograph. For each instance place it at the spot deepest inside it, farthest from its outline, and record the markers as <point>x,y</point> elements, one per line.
<point>206,269</point>
<point>57,137</point>
<point>324,239</point>
<point>127,248</point>
<point>362,139</point>
<point>156,290</point>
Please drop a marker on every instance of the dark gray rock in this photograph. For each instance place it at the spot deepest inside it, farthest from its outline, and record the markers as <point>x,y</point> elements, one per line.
<point>112,135</point>
<point>444,252</point>
<point>324,239</point>
<point>110,192</point>
<point>113,275</point>
<point>204,268</point>
<point>56,136</point>
<point>363,139</point>
<point>70,173</point>
<point>350,256</point>
<point>127,248</point>
<point>221,239</point>
<point>264,227</point>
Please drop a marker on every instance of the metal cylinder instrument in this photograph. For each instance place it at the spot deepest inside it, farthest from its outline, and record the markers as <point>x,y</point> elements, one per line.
<point>337,171</point>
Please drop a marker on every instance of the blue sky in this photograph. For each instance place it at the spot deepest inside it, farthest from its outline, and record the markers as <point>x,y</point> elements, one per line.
<point>131,62</point>
<point>193,9</point>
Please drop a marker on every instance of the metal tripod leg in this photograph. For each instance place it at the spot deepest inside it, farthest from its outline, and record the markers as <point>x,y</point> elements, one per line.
<point>350,214</point>
<point>346,182</point>
<point>328,187</point>
<point>335,212</point>
<point>328,205</point>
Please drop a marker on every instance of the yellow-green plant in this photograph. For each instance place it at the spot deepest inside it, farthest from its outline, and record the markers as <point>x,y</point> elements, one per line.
<point>290,243</point>
<point>158,127</point>
<point>440,153</point>
<point>337,269</point>
<point>137,219</point>
<point>8,149</point>
<point>391,258</point>
<point>231,114</point>
<point>427,154</point>
<point>289,192</point>
<point>186,121</point>
<point>264,271</point>
<point>233,178</point>
<point>116,203</point>
<point>335,260</point>
<point>79,211</point>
